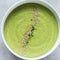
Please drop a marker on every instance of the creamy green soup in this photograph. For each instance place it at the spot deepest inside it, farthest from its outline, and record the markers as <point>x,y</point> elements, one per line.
<point>31,30</point>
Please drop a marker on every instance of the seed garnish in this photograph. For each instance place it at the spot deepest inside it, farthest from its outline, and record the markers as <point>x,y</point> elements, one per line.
<point>29,34</point>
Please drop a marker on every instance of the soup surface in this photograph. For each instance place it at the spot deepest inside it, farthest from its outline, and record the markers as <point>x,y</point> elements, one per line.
<point>31,30</point>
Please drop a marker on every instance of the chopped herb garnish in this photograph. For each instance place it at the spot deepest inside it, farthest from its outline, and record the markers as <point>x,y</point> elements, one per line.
<point>31,19</point>
<point>33,28</point>
<point>27,42</point>
<point>32,35</point>
<point>29,35</point>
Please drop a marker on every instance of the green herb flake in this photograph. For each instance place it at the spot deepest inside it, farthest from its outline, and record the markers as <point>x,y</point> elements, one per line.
<point>31,19</point>
<point>33,28</point>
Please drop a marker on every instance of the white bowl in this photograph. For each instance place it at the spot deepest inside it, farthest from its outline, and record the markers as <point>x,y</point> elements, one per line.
<point>42,2</point>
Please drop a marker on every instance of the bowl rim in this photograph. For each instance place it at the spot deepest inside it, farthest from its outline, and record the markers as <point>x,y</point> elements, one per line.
<point>21,2</point>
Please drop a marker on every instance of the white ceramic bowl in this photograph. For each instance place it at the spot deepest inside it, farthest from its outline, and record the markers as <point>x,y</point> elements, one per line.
<point>42,2</point>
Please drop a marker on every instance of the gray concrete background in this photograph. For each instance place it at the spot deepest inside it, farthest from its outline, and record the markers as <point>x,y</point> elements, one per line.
<point>5,54</point>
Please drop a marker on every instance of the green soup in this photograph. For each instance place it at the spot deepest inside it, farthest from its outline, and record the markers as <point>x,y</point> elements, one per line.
<point>43,34</point>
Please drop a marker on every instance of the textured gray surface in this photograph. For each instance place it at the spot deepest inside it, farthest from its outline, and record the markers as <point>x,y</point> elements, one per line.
<point>5,54</point>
